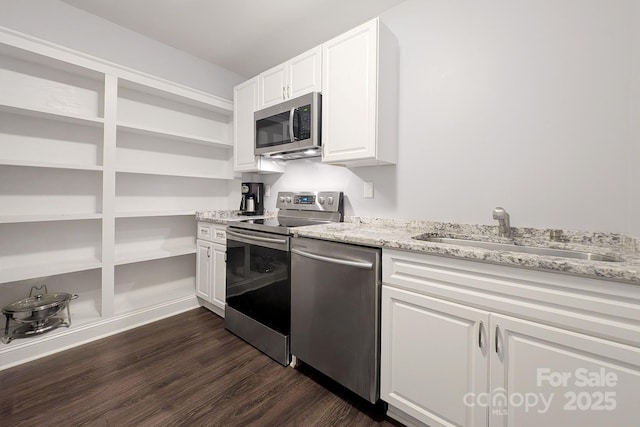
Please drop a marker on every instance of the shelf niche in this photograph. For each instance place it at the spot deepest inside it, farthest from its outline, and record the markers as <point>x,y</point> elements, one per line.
<point>43,84</point>
<point>145,284</point>
<point>40,142</point>
<point>166,113</point>
<point>46,248</point>
<point>142,239</point>
<point>143,153</point>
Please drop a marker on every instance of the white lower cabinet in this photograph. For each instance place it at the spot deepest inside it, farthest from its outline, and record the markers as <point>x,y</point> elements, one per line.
<point>462,346</point>
<point>433,353</point>
<point>541,375</point>
<point>211,267</point>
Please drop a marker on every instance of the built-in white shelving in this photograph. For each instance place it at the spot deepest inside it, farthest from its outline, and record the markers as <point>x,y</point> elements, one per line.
<point>102,169</point>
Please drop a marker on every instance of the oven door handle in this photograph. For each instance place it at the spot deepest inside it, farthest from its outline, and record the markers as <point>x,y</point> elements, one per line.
<point>256,238</point>
<point>357,264</point>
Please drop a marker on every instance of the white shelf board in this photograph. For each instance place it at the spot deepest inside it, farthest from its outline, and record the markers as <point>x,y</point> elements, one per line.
<point>143,214</point>
<point>164,89</point>
<point>8,219</point>
<point>53,115</point>
<point>24,272</point>
<point>130,258</point>
<point>170,173</point>
<point>145,130</point>
<point>10,162</point>
<point>128,302</point>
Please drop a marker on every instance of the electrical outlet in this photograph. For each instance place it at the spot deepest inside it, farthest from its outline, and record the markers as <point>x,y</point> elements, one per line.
<point>267,190</point>
<point>368,190</point>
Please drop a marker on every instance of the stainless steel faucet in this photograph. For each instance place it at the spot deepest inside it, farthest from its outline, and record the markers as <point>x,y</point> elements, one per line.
<point>504,228</point>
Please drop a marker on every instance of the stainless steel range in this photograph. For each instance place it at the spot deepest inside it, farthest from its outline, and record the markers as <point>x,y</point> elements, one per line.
<point>259,269</point>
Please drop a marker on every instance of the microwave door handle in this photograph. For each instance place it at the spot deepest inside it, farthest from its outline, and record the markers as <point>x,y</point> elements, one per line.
<point>291,115</point>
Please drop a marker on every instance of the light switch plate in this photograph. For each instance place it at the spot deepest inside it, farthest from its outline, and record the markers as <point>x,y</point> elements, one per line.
<point>368,190</point>
<point>267,190</point>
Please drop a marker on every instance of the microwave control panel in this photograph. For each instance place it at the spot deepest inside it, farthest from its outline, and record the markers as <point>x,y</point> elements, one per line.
<point>304,122</point>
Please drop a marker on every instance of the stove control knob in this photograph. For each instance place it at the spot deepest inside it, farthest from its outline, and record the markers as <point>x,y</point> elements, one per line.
<point>321,200</point>
<point>281,199</point>
<point>330,200</point>
<point>288,199</point>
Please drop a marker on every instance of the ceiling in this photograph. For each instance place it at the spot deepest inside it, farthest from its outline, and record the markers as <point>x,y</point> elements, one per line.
<point>245,36</point>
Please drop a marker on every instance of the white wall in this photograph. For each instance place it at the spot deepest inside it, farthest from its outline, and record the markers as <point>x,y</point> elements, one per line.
<point>633,157</point>
<point>517,104</point>
<point>65,25</point>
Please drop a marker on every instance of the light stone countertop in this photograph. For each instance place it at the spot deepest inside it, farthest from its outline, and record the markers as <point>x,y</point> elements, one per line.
<point>227,216</point>
<point>397,234</point>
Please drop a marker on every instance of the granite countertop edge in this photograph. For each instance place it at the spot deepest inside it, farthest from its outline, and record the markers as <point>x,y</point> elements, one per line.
<point>228,216</point>
<point>397,234</point>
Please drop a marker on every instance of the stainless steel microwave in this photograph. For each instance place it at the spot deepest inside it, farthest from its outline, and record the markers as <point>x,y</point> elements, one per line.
<point>291,129</point>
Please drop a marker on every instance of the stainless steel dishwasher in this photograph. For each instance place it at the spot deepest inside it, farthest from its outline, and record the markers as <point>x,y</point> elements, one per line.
<point>335,312</point>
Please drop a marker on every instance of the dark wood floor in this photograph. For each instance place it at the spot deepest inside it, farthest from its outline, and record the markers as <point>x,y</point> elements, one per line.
<point>184,370</point>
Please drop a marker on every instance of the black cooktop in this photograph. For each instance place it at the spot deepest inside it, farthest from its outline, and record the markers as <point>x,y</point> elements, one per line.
<point>281,225</point>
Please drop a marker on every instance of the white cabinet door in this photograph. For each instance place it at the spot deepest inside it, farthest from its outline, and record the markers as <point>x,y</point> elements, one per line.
<point>296,77</point>
<point>304,73</point>
<point>273,86</point>
<point>349,80</point>
<point>434,354</point>
<point>545,376</point>
<point>204,272</point>
<point>219,276</point>
<point>245,102</point>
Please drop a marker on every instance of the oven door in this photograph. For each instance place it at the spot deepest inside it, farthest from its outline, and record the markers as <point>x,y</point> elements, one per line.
<point>258,277</point>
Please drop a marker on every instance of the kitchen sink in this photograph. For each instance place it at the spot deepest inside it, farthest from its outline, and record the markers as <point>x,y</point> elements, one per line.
<point>536,250</point>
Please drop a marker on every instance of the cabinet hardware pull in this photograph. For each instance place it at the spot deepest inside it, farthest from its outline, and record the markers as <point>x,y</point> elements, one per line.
<point>480,335</point>
<point>496,338</point>
<point>288,91</point>
<point>283,96</point>
<point>209,252</point>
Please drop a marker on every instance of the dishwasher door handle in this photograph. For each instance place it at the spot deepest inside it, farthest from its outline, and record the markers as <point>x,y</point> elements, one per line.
<point>358,264</point>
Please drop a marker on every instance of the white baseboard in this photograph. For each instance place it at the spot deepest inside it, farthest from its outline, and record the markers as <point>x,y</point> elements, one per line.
<point>27,349</point>
<point>405,419</point>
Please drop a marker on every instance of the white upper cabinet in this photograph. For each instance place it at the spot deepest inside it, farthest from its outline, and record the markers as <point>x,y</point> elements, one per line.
<point>294,78</point>
<point>359,99</point>
<point>245,103</point>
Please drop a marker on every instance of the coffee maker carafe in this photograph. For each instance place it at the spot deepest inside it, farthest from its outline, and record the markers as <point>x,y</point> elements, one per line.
<point>252,202</point>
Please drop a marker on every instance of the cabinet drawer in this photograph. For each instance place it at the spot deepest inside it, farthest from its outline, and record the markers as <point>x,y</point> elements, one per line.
<point>212,232</point>
<point>220,235</point>
<point>601,308</point>
<point>205,231</point>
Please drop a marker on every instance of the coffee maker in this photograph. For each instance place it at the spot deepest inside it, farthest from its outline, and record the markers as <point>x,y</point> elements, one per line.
<point>252,202</point>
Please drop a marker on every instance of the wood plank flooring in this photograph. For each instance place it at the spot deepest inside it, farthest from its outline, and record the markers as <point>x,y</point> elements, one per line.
<point>183,370</point>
